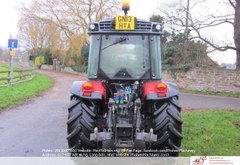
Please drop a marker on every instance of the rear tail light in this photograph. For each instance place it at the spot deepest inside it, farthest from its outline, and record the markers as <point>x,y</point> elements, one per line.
<point>157,89</point>
<point>87,94</point>
<point>161,94</point>
<point>162,89</point>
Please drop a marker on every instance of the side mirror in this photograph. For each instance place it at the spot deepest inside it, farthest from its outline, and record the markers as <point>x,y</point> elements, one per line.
<point>85,51</point>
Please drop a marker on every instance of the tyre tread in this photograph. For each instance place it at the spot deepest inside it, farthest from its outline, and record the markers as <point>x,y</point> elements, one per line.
<point>74,132</point>
<point>81,123</point>
<point>174,131</point>
<point>86,140</point>
<point>88,110</point>
<point>173,115</point>
<point>164,138</point>
<point>160,109</point>
<point>86,125</point>
<point>167,124</point>
<point>161,124</point>
<point>74,117</point>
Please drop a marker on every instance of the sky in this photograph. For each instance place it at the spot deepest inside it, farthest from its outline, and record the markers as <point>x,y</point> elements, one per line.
<point>9,15</point>
<point>8,19</point>
<point>139,8</point>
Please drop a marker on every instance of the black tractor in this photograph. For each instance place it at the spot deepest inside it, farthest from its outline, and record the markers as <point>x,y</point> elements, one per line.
<point>124,107</point>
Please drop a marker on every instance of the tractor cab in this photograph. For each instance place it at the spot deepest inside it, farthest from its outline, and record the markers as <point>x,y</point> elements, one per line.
<point>124,48</point>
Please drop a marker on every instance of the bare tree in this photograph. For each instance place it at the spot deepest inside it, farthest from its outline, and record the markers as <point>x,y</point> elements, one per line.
<point>72,16</point>
<point>37,34</point>
<point>236,25</point>
<point>180,16</point>
<point>62,24</point>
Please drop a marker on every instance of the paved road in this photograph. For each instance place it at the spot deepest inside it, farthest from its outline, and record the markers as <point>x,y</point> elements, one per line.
<point>195,101</point>
<point>39,125</point>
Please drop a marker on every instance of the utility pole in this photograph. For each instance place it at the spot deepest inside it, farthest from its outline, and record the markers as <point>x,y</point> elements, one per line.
<point>187,20</point>
<point>185,46</point>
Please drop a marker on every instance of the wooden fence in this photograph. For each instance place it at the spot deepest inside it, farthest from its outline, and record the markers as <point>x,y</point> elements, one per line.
<point>18,76</point>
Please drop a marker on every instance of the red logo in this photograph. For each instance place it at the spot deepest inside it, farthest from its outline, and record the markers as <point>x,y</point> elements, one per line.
<point>199,161</point>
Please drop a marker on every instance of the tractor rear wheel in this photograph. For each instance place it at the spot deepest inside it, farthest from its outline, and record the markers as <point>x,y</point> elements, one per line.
<point>81,122</point>
<point>167,124</point>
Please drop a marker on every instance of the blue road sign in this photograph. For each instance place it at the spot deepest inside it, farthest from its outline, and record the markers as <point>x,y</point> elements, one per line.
<point>12,43</point>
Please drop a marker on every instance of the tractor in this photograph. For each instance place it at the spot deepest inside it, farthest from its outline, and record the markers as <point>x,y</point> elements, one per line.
<point>124,106</point>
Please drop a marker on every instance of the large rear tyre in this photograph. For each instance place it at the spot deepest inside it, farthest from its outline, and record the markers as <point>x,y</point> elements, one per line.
<point>167,124</point>
<point>81,122</point>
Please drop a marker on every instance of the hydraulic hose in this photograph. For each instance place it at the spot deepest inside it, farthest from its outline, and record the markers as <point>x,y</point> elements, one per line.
<point>135,87</point>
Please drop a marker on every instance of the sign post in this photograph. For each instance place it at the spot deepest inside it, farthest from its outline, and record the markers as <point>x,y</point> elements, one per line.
<point>12,43</point>
<point>11,73</point>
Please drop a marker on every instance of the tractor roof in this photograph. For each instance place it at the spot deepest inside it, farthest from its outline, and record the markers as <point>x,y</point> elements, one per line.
<point>125,24</point>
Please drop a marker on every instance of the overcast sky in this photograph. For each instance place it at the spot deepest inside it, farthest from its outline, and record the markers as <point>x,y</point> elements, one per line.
<point>139,8</point>
<point>8,19</point>
<point>9,15</point>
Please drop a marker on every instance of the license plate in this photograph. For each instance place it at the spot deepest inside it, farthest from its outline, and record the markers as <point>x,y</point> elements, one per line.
<point>125,23</point>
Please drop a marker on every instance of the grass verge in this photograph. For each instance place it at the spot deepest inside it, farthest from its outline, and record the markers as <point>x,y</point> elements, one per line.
<point>211,133</point>
<point>15,95</point>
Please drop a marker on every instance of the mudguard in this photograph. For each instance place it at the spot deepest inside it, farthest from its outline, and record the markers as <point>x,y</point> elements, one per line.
<point>76,89</point>
<point>172,90</point>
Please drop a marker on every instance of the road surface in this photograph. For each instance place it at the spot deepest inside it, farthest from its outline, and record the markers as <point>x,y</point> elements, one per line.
<point>38,127</point>
<point>196,101</point>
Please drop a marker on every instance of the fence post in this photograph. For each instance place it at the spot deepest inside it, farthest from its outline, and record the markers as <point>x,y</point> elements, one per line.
<point>11,73</point>
<point>54,64</point>
<point>9,78</point>
<point>21,75</point>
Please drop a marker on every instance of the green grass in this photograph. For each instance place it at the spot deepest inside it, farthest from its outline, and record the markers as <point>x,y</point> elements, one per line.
<point>224,94</point>
<point>15,95</point>
<point>5,68</point>
<point>211,133</point>
<point>5,75</point>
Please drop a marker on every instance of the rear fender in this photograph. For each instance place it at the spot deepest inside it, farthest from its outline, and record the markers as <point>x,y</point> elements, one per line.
<point>97,90</point>
<point>152,92</point>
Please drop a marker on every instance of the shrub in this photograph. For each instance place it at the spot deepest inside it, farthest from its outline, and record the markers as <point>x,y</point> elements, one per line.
<point>39,61</point>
